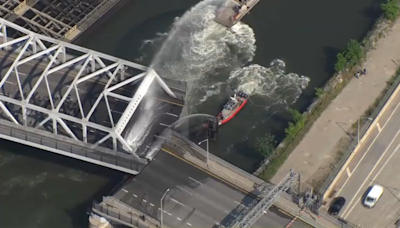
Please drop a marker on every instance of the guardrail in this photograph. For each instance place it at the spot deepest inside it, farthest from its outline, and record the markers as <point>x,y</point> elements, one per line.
<point>218,160</point>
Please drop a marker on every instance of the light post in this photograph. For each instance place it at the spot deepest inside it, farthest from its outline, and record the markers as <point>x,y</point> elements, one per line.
<point>208,156</point>
<point>162,209</point>
<point>358,127</point>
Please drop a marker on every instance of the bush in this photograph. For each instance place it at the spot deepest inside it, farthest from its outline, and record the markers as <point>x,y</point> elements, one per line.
<point>340,63</point>
<point>354,53</point>
<point>350,57</point>
<point>295,126</point>
<point>390,9</point>
<point>266,145</point>
<point>319,92</point>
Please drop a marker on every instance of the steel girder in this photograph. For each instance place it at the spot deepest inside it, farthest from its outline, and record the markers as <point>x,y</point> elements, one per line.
<point>269,195</point>
<point>57,71</point>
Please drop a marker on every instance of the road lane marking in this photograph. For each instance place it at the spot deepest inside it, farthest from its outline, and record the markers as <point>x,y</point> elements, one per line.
<point>368,149</point>
<point>163,124</point>
<point>189,224</point>
<point>376,175</point>
<point>179,219</point>
<point>372,170</point>
<point>151,204</point>
<point>172,115</point>
<point>191,193</point>
<point>134,195</point>
<point>124,190</point>
<point>145,201</point>
<point>176,201</point>
<point>348,172</point>
<point>379,127</point>
<point>195,180</point>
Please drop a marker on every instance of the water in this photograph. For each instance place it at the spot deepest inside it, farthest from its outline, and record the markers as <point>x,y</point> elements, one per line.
<point>45,190</point>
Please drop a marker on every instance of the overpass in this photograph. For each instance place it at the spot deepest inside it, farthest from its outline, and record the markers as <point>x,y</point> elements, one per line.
<point>80,103</point>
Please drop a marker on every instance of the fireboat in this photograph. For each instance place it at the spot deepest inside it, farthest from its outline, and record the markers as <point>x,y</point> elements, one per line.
<point>232,107</point>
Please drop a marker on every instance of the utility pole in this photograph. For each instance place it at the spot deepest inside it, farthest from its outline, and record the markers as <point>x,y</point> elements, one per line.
<point>162,209</point>
<point>208,153</point>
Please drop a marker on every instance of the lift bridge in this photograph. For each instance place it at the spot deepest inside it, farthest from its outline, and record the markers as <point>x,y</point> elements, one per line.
<point>63,98</point>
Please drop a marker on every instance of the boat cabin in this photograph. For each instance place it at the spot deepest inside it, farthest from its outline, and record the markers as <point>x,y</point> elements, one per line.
<point>232,11</point>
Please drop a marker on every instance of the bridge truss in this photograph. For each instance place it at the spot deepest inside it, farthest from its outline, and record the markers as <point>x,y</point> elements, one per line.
<point>68,90</point>
<point>269,194</point>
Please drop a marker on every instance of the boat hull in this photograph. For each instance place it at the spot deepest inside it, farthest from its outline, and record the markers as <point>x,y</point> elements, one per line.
<point>237,110</point>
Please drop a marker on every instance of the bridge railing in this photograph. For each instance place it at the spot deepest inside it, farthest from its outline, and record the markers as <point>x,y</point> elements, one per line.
<point>58,144</point>
<point>121,217</point>
<point>216,159</point>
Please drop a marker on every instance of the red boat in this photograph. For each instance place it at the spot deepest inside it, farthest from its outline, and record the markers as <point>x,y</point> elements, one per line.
<point>234,105</point>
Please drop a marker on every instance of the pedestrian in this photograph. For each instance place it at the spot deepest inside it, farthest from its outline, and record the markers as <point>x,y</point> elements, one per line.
<point>365,71</point>
<point>357,75</point>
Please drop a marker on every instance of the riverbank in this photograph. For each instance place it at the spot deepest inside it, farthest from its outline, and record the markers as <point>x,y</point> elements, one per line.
<point>318,144</point>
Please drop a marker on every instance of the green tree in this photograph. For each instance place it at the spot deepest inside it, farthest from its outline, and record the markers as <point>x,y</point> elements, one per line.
<point>354,52</point>
<point>390,9</point>
<point>341,62</point>
<point>266,145</point>
<point>319,92</point>
<point>296,125</point>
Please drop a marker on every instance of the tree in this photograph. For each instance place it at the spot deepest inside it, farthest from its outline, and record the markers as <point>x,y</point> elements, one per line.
<point>341,63</point>
<point>296,125</point>
<point>319,92</point>
<point>354,52</point>
<point>266,145</point>
<point>390,10</point>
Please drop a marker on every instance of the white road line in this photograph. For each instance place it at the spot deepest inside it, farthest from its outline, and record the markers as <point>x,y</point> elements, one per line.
<point>124,190</point>
<point>348,172</point>
<point>379,127</point>
<point>172,114</point>
<point>163,124</point>
<point>168,213</point>
<point>134,195</point>
<point>237,202</point>
<point>372,170</point>
<point>377,174</point>
<point>195,180</point>
<point>368,149</point>
<point>151,204</point>
<point>189,224</point>
<point>191,193</point>
<point>145,201</point>
<point>176,201</point>
<point>9,82</point>
<point>179,219</point>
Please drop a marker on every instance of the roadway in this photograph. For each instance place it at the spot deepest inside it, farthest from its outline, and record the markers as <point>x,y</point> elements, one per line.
<point>377,162</point>
<point>195,199</point>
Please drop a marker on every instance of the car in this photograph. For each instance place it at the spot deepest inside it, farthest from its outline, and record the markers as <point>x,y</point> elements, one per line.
<point>336,205</point>
<point>373,195</point>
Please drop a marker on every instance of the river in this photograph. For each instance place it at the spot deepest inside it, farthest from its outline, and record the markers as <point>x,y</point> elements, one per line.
<point>40,189</point>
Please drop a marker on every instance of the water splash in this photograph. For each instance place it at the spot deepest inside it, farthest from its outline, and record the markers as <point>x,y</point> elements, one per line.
<point>272,84</point>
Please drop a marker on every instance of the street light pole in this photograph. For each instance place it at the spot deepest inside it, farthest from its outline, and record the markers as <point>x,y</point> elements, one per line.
<point>208,153</point>
<point>162,209</point>
<point>358,127</point>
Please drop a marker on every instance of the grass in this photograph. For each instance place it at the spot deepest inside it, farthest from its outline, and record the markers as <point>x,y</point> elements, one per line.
<point>286,148</point>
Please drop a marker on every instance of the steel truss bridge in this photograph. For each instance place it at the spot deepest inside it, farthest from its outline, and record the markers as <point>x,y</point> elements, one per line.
<point>58,90</point>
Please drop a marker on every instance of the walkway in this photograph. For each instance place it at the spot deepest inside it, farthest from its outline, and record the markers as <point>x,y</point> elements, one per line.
<point>317,151</point>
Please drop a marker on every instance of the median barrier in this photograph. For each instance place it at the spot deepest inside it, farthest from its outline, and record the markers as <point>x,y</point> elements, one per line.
<point>354,147</point>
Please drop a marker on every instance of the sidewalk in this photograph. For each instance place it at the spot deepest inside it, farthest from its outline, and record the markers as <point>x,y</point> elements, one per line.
<point>315,154</point>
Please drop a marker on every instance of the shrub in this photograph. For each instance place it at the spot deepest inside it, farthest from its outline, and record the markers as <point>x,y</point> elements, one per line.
<point>341,63</point>
<point>354,52</point>
<point>266,145</point>
<point>319,92</point>
<point>295,126</point>
<point>390,9</point>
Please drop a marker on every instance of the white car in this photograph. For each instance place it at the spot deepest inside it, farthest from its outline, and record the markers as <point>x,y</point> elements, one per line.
<point>373,196</point>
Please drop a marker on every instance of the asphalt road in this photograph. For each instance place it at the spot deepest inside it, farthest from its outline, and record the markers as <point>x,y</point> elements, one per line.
<point>377,162</point>
<point>195,199</point>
